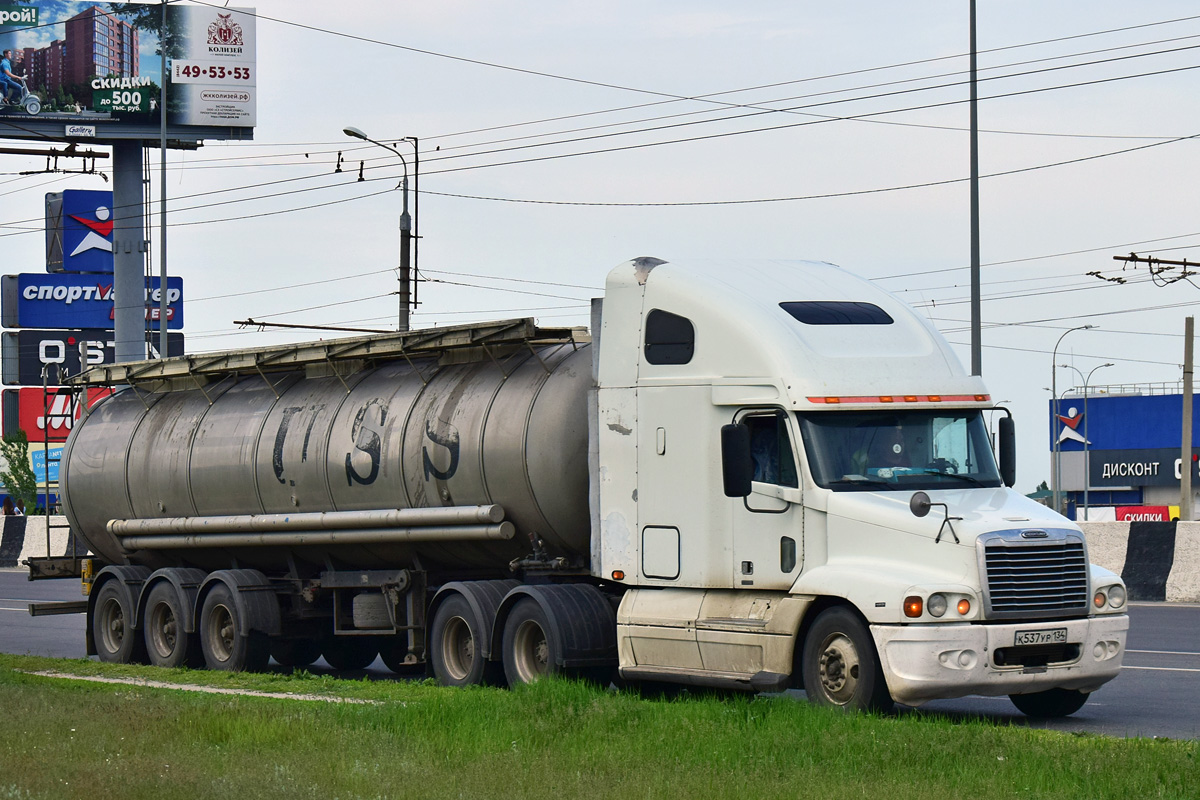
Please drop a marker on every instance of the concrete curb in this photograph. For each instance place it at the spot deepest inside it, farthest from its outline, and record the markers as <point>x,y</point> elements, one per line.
<point>1159,561</point>
<point>25,537</point>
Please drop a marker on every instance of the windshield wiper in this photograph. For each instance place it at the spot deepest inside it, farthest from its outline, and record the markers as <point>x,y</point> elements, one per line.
<point>939,472</point>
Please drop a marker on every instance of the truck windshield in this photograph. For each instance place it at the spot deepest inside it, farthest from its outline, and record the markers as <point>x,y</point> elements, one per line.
<point>900,451</point>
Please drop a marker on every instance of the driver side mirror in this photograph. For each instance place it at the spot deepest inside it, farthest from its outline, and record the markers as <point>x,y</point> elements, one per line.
<point>1006,432</point>
<point>737,466</point>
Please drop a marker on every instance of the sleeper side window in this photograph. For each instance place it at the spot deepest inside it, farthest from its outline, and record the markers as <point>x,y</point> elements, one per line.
<point>670,338</point>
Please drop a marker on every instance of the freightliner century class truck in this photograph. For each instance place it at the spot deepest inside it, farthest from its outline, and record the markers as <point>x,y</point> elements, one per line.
<point>750,475</point>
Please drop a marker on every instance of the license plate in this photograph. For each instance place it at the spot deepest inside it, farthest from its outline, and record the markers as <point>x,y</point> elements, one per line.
<point>1049,636</point>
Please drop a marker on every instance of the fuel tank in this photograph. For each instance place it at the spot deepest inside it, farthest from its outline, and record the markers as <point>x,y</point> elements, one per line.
<point>401,434</point>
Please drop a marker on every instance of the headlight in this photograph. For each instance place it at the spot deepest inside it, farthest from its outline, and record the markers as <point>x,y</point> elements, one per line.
<point>937,605</point>
<point>1116,596</point>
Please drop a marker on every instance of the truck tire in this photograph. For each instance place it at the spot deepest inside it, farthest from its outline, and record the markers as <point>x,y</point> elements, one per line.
<point>167,643</point>
<point>530,648</point>
<point>456,646</point>
<point>225,645</point>
<point>350,652</point>
<point>295,652</point>
<point>1050,703</point>
<point>117,641</point>
<point>840,665</point>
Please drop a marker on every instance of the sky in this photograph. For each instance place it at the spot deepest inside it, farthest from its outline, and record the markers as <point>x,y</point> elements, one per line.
<point>541,124</point>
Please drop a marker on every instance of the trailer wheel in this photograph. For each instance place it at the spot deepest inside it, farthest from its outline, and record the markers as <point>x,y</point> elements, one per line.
<point>225,645</point>
<point>295,652</point>
<point>530,648</point>
<point>117,642</point>
<point>457,645</point>
<point>350,652</point>
<point>841,667</point>
<point>167,643</point>
<point>1050,703</point>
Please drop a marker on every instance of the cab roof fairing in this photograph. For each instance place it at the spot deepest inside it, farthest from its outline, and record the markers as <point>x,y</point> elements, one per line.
<point>741,330</point>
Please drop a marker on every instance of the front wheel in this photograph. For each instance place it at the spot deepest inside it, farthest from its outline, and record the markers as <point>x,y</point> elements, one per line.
<point>1050,703</point>
<point>840,666</point>
<point>33,105</point>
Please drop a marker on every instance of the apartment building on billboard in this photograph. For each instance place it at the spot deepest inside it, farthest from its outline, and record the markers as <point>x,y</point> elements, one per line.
<point>99,44</point>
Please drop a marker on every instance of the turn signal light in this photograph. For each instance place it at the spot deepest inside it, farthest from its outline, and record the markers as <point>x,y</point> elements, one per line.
<point>913,606</point>
<point>1099,600</point>
<point>964,606</point>
<point>618,575</point>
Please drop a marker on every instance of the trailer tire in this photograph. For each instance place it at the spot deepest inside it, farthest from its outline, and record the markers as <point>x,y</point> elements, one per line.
<point>295,652</point>
<point>117,641</point>
<point>1050,703</point>
<point>841,667</point>
<point>226,646</point>
<point>167,642</point>
<point>350,652</point>
<point>530,647</point>
<point>457,646</point>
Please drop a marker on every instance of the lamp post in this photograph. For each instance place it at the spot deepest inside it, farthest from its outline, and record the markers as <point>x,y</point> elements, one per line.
<point>1087,475</point>
<point>405,228</point>
<point>1056,472</point>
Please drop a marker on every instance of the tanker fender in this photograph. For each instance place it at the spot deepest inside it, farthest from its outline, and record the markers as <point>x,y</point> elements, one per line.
<point>257,605</point>
<point>130,578</point>
<point>484,598</point>
<point>186,583</point>
<point>582,619</point>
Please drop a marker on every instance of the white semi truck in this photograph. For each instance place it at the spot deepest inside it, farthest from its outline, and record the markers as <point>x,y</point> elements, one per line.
<point>755,476</point>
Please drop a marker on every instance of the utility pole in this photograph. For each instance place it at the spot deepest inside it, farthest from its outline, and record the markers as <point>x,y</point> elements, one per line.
<point>1185,464</point>
<point>976,310</point>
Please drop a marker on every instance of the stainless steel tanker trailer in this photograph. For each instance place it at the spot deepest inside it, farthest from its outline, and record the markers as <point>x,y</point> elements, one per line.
<point>689,494</point>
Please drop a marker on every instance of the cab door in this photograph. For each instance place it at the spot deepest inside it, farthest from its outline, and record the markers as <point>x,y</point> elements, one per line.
<point>768,524</point>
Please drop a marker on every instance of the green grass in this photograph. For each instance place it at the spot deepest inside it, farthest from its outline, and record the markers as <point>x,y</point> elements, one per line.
<point>62,738</point>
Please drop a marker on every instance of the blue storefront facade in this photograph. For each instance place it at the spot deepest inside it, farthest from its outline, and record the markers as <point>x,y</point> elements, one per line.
<point>1133,454</point>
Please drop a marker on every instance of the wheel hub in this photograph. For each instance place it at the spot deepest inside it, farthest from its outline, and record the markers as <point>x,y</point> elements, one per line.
<point>839,668</point>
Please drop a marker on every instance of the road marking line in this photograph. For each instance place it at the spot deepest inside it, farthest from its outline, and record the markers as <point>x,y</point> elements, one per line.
<point>1165,652</point>
<point>191,687</point>
<point>1164,669</point>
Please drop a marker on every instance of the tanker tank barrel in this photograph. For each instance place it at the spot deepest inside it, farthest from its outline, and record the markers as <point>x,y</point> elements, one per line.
<point>310,521</point>
<point>301,538</point>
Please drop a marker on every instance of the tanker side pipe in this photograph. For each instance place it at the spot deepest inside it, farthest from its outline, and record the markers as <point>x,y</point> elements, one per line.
<point>446,533</point>
<point>311,521</point>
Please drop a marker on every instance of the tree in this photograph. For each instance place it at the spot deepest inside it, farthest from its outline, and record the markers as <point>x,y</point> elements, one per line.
<point>18,478</point>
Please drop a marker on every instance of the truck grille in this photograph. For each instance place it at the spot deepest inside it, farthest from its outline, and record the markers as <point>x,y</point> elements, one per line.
<point>1027,577</point>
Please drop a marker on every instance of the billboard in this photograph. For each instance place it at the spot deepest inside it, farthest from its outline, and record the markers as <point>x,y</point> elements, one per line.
<point>62,353</point>
<point>105,63</point>
<point>70,300</point>
<point>79,231</point>
<point>44,415</point>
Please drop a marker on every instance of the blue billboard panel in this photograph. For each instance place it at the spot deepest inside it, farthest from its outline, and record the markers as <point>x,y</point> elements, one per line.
<point>68,300</point>
<point>79,228</point>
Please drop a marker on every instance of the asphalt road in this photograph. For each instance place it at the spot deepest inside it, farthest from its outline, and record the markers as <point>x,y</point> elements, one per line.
<point>1157,693</point>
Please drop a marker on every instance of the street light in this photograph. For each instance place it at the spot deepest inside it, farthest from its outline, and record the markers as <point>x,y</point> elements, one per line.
<point>405,228</point>
<point>1087,474</point>
<point>1056,473</point>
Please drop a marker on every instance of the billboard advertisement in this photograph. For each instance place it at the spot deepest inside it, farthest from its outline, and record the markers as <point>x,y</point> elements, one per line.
<point>70,300</point>
<point>45,418</point>
<point>62,353</point>
<point>104,62</point>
